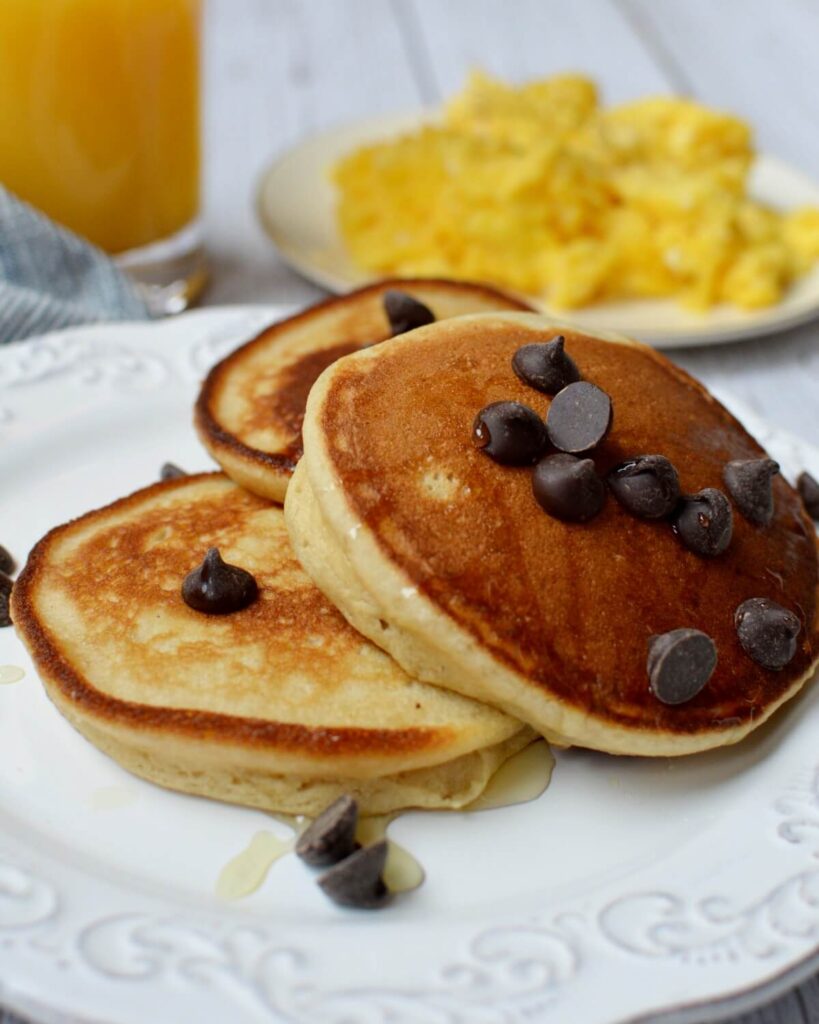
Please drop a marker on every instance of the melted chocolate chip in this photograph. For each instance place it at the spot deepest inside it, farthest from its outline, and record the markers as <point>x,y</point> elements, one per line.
<point>767,632</point>
<point>510,433</point>
<point>217,588</point>
<point>404,312</point>
<point>5,596</point>
<point>545,366</point>
<point>704,522</point>
<point>646,485</point>
<point>170,471</point>
<point>808,487</point>
<point>568,488</point>
<point>331,837</point>
<point>579,417</point>
<point>750,484</point>
<point>680,663</point>
<point>356,881</point>
<point>7,564</point>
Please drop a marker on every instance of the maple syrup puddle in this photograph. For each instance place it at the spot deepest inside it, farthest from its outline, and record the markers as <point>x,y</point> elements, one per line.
<point>11,673</point>
<point>524,777</point>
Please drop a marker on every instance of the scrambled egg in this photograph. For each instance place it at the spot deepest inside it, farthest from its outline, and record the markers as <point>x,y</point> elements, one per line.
<point>540,189</point>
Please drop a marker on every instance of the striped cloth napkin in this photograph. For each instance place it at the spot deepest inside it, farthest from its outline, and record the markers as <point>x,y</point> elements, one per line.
<point>52,278</point>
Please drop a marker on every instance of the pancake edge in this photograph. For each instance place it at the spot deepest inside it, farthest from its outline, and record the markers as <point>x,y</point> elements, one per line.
<point>268,473</point>
<point>461,664</point>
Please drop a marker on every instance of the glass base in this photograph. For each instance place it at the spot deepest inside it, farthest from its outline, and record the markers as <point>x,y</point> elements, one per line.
<point>170,274</point>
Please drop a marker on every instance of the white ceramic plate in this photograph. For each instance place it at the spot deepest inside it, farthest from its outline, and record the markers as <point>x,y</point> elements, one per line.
<point>632,889</point>
<point>296,207</point>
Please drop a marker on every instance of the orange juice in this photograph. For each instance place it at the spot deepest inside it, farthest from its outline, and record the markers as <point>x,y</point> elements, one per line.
<point>99,114</point>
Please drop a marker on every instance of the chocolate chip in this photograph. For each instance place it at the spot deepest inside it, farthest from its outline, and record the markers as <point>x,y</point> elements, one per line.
<point>579,417</point>
<point>217,588</point>
<point>750,484</point>
<point>704,522</point>
<point>646,485</point>
<point>170,471</point>
<point>356,881</point>
<point>5,596</point>
<point>767,632</point>
<point>809,492</point>
<point>510,433</point>
<point>405,313</point>
<point>680,663</point>
<point>568,488</point>
<point>7,564</point>
<point>545,366</point>
<point>331,837</point>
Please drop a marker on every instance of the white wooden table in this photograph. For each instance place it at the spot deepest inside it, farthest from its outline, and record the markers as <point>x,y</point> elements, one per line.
<point>277,70</point>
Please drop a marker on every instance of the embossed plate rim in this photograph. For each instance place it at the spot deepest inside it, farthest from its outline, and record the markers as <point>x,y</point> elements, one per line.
<point>75,945</point>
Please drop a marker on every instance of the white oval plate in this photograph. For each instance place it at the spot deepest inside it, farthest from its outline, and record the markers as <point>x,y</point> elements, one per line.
<point>296,204</point>
<point>632,889</point>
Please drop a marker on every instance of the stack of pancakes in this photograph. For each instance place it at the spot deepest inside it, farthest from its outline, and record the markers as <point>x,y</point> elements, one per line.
<point>430,619</point>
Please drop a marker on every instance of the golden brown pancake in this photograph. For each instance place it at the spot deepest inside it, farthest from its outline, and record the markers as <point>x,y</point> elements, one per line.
<point>280,705</point>
<point>250,410</point>
<point>453,568</point>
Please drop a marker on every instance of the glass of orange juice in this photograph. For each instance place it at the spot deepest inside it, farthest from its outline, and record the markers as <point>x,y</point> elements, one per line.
<point>99,128</point>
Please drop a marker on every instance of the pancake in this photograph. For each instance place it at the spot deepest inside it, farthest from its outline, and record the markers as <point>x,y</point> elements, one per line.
<point>443,557</point>
<point>280,706</point>
<point>251,406</point>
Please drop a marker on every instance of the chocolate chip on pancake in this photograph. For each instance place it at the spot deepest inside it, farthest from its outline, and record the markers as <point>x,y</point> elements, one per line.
<point>356,881</point>
<point>217,588</point>
<point>6,586</point>
<point>680,663</point>
<point>579,417</point>
<point>750,484</point>
<point>170,471</point>
<point>509,432</point>
<point>6,561</point>
<point>808,488</point>
<point>545,366</point>
<point>647,486</point>
<point>704,522</point>
<point>568,488</point>
<point>331,837</point>
<point>767,632</point>
<point>405,313</point>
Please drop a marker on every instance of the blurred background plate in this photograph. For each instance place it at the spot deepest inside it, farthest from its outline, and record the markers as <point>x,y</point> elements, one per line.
<point>296,204</point>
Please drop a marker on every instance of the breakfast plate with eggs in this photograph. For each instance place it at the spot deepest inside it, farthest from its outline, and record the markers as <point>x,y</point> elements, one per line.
<point>655,218</point>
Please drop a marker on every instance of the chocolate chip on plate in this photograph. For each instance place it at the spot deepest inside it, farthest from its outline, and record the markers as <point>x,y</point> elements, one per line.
<point>331,837</point>
<point>646,485</point>
<point>808,487</point>
<point>680,663</point>
<point>704,522</point>
<point>510,433</point>
<point>404,312</point>
<point>579,417</point>
<point>545,366</point>
<point>170,471</point>
<point>6,561</point>
<point>750,484</point>
<point>568,488</point>
<point>5,596</point>
<point>767,632</point>
<point>356,881</point>
<point>217,588</point>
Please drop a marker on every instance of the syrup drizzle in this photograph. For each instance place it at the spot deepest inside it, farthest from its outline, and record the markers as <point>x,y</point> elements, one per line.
<point>522,778</point>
